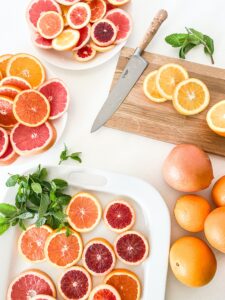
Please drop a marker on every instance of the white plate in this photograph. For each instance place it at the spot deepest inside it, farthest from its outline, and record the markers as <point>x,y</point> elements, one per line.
<point>153,220</point>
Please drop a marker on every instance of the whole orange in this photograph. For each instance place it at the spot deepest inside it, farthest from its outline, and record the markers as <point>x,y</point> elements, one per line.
<point>191,211</point>
<point>192,261</point>
<point>215,228</point>
<point>218,192</point>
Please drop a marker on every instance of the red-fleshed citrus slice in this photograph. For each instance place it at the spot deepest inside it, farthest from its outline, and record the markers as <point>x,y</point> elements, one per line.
<point>131,247</point>
<point>103,33</point>
<point>31,108</point>
<point>126,283</point>
<point>4,141</point>
<point>118,2</point>
<point>7,118</point>
<point>122,20</point>
<point>57,94</point>
<point>67,2</point>
<point>9,156</point>
<point>37,7</point>
<point>66,40</point>
<point>32,242</point>
<point>85,35</point>
<point>41,42</point>
<point>43,297</point>
<point>79,15</point>
<point>109,6</point>
<point>84,212</point>
<point>32,140</point>
<point>98,10</point>
<point>98,257</point>
<point>84,54</point>
<point>64,251</point>
<point>50,24</point>
<point>29,284</point>
<point>9,91</point>
<point>104,291</point>
<point>17,82</point>
<point>119,216</point>
<point>101,49</point>
<point>3,63</point>
<point>75,283</point>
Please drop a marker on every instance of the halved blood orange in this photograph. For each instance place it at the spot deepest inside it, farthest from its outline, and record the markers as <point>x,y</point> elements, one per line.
<point>17,82</point>
<point>84,212</point>
<point>75,283</point>
<point>3,63</point>
<point>104,33</point>
<point>31,108</point>
<point>131,248</point>
<point>119,216</point>
<point>104,291</point>
<point>85,35</point>
<point>4,141</point>
<point>84,54</point>
<point>30,284</point>
<point>98,257</point>
<point>50,24</point>
<point>9,91</point>
<point>9,156</point>
<point>7,118</point>
<point>43,297</point>
<point>126,283</point>
<point>98,10</point>
<point>32,242</point>
<point>79,15</point>
<point>64,251</point>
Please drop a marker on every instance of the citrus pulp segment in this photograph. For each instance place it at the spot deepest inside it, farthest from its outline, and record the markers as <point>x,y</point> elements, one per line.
<point>3,63</point>
<point>7,118</point>
<point>9,91</point>
<point>15,81</point>
<point>104,291</point>
<point>216,118</point>
<point>85,35</point>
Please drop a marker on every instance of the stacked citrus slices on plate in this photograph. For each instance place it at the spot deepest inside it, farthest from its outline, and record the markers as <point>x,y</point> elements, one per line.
<point>29,104</point>
<point>83,28</point>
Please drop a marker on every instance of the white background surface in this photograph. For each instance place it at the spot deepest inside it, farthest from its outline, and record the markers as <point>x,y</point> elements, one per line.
<point>113,150</point>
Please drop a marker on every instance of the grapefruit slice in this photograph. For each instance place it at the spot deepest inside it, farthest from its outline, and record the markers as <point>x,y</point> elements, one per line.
<point>122,20</point>
<point>64,251</point>
<point>67,2</point>
<point>98,10</point>
<point>101,49</point>
<point>103,33</point>
<point>85,35</point>
<point>66,40</point>
<point>7,118</point>
<point>17,82</point>
<point>84,212</point>
<point>37,7</point>
<point>118,2</point>
<point>98,257</point>
<point>131,248</point>
<point>9,91</point>
<point>119,216</point>
<point>104,291</point>
<point>57,94</point>
<point>50,24</point>
<point>32,242</point>
<point>9,156</point>
<point>4,141</point>
<point>75,283</point>
<point>32,140</point>
<point>43,297</point>
<point>29,284</point>
<point>84,54</point>
<point>79,15</point>
<point>3,63</point>
<point>31,108</point>
<point>41,42</point>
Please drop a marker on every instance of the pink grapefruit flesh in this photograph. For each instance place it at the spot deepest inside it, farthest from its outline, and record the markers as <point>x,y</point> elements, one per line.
<point>9,91</point>
<point>4,141</point>
<point>9,156</point>
<point>7,118</point>
<point>50,24</point>
<point>17,82</point>
<point>103,33</point>
<point>85,54</point>
<point>41,42</point>
<point>79,15</point>
<point>98,10</point>
<point>85,34</point>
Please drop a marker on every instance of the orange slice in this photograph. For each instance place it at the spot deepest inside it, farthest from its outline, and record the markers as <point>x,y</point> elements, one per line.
<point>66,40</point>
<point>27,67</point>
<point>216,118</point>
<point>3,63</point>
<point>168,77</point>
<point>191,97</point>
<point>7,118</point>
<point>150,88</point>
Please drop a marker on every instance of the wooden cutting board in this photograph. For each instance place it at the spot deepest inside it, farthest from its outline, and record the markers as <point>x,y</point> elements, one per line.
<point>160,121</point>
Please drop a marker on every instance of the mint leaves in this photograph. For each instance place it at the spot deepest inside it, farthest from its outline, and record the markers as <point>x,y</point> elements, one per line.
<point>189,40</point>
<point>65,155</point>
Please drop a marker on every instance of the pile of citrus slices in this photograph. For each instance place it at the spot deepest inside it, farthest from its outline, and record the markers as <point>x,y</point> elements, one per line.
<point>28,105</point>
<point>97,257</point>
<point>82,27</point>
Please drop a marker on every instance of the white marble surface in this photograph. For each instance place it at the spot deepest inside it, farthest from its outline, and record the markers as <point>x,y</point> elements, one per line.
<point>113,150</point>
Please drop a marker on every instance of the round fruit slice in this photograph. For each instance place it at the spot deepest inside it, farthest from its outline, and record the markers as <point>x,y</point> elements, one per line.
<point>43,297</point>
<point>75,283</point>
<point>150,88</point>
<point>126,283</point>
<point>85,54</point>
<point>27,67</point>
<point>41,42</point>
<point>216,118</point>
<point>64,251</point>
<point>31,108</point>
<point>4,141</point>
<point>98,257</point>
<point>37,7</point>
<point>9,91</point>
<point>104,291</point>
<point>50,24</point>
<point>29,284</point>
<point>85,35</point>
<point>103,33</point>
<point>84,212</point>
<point>123,23</point>
<point>16,82</point>
<point>66,40</point>
<point>191,97</point>
<point>101,49</point>
<point>131,248</point>
<point>32,140</point>
<point>79,15</point>
<point>3,63</point>
<point>9,156</point>
<point>32,242</point>
<point>168,77</point>
<point>118,2</point>
<point>7,118</point>
<point>67,2</point>
<point>98,10</point>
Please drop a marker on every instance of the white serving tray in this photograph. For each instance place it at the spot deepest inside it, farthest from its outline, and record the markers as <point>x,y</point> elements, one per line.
<point>153,220</point>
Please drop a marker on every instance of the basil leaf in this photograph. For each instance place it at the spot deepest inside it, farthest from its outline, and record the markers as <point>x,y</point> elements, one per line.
<point>210,45</point>
<point>60,184</point>
<point>196,33</point>
<point>176,39</point>
<point>8,210</point>
<point>76,156</point>
<point>36,187</point>
<point>12,181</point>
<point>63,199</point>
<point>43,205</point>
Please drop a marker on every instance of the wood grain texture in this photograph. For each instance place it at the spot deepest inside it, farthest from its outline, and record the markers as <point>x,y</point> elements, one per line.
<point>160,121</point>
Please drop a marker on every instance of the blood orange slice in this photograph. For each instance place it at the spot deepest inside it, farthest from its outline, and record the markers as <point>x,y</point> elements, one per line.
<point>50,24</point>
<point>75,283</point>
<point>16,82</point>
<point>32,140</point>
<point>84,212</point>
<point>7,118</point>
<point>84,54</point>
<point>43,297</point>
<point>57,94</point>
<point>4,141</point>
<point>85,35</point>
<point>98,257</point>
<point>131,248</point>
<point>9,156</point>
<point>41,42</point>
<point>103,33</point>
<point>29,284</point>
<point>98,10</point>
<point>64,251</point>
<point>9,91</point>
<point>79,15</point>
<point>31,108</point>
<point>32,242</point>
<point>67,2</point>
<point>119,216</point>
<point>3,63</point>
<point>104,291</point>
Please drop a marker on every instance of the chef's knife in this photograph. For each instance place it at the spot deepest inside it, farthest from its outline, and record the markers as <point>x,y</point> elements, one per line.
<point>130,75</point>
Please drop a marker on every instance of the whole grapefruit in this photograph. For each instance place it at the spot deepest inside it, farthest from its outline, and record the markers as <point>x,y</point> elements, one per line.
<point>218,192</point>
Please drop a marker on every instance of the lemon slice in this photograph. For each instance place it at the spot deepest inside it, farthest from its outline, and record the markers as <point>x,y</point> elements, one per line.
<point>150,88</point>
<point>216,118</point>
<point>66,40</point>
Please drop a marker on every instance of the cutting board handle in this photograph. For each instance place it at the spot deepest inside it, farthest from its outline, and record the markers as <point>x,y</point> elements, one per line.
<point>153,28</point>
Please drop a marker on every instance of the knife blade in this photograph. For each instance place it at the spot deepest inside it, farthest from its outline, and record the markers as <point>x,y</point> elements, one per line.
<point>130,75</point>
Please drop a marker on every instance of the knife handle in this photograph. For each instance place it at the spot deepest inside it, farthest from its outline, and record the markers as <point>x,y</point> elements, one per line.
<point>153,28</point>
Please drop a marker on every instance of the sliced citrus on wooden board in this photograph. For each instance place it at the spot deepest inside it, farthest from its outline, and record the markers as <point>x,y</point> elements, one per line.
<point>216,118</point>
<point>150,89</point>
